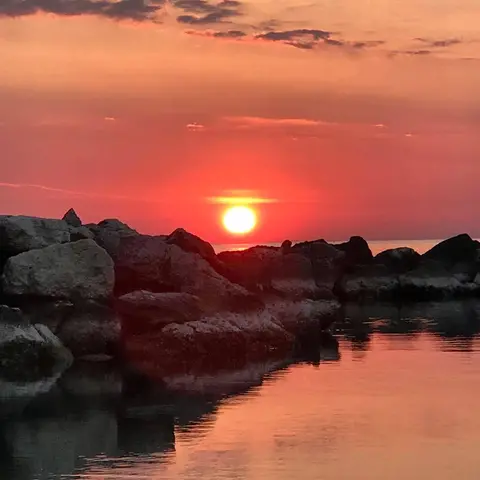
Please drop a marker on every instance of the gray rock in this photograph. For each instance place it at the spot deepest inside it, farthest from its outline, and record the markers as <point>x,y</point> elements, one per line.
<point>91,332</point>
<point>109,233</point>
<point>81,233</point>
<point>79,270</point>
<point>19,233</point>
<point>72,218</point>
<point>28,352</point>
<point>146,311</point>
<point>459,249</point>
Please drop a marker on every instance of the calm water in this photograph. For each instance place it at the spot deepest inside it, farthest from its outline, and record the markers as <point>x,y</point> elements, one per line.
<point>396,398</point>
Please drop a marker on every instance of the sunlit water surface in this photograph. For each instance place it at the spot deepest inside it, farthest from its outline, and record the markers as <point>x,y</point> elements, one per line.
<point>392,406</point>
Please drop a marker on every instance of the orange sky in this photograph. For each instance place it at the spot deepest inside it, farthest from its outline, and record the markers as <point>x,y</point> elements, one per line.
<point>350,120</point>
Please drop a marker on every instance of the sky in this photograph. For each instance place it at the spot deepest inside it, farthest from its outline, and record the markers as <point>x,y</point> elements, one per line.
<point>331,118</point>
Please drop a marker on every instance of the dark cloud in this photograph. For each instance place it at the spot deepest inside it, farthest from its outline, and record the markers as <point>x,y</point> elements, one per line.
<point>294,35</point>
<point>308,39</point>
<point>137,10</point>
<point>439,43</point>
<point>232,34</point>
<point>202,12</point>
<point>413,53</point>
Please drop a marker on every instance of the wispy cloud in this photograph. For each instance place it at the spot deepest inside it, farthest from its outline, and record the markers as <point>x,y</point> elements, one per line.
<point>274,122</point>
<point>240,197</point>
<point>448,42</point>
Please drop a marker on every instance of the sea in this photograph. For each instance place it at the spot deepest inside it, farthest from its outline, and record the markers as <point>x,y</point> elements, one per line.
<point>390,393</point>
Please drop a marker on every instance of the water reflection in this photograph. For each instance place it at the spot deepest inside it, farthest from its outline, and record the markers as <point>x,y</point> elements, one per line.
<point>277,419</point>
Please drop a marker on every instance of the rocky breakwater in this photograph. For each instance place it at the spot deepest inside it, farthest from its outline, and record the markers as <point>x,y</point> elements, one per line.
<point>172,296</point>
<point>449,270</point>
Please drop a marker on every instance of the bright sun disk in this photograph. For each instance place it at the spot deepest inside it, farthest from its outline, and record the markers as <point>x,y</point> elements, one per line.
<point>239,219</point>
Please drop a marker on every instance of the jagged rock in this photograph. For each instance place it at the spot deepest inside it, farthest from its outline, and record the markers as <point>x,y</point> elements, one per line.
<point>286,246</point>
<point>148,263</point>
<point>459,249</point>
<point>146,311</point>
<point>28,352</point>
<point>19,233</point>
<point>357,251</point>
<point>79,270</point>
<point>399,260</point>
<point>72,218</point>
<point>91,332</point>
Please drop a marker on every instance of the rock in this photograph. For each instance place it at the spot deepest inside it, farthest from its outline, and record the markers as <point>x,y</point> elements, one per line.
<point>328,264</point>
<point>271,270</point>
<point>191,243</point>
<point>79,270</point>
<point>28,352</point>
<point>19,233</point>
<point>80,233</point>
<point>433,280</point>
<point>91,332</point>
<point>399,260</point>
<point>286,246</point>
<point>109,232</point>
<point>148,263</point>
<point>459,249</point>
<point>357,252</point>
<point>144,311</point>
<point>368,283</point>
<point>72,218</point>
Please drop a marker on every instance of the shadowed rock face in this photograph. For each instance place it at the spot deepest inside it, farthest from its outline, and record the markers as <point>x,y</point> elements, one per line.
<point>357,251</point>
<point>79,270</point>
<point>148,263</point>
<point>459,249</point>
<point>28,352</point>
<point>399,260</point>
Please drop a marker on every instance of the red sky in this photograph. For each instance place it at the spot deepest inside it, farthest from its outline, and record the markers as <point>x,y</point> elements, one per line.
<point>343,119</point>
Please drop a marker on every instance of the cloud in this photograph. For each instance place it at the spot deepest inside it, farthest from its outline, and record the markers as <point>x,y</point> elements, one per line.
<point>138,10</point>
<point>251,122</point>
<point>202,12</point>
<point>195,127</point>
<point>229,34</point>
<point>439,43</point>
<point>413,53</point>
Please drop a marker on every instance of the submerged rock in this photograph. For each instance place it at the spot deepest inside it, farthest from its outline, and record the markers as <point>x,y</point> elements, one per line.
<point>20,233</point>
<point>79,270</point>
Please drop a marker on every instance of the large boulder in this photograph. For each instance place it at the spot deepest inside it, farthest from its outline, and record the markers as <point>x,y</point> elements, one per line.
<point>19,233</point>
<point>328,263</point>
<point>109,232</point>
<point>149,263</point>
<point>399,260</point>
<point>144,311</point>
<point>459,249</point>
<point>191,243</point>
<point>28,352</point>
<point>78,270</point>
<point>357,251</point>
<point>289,273</point>
<point>72,218</point>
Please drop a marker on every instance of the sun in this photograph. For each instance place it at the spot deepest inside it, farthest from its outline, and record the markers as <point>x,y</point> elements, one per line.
<point>239,219</point>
